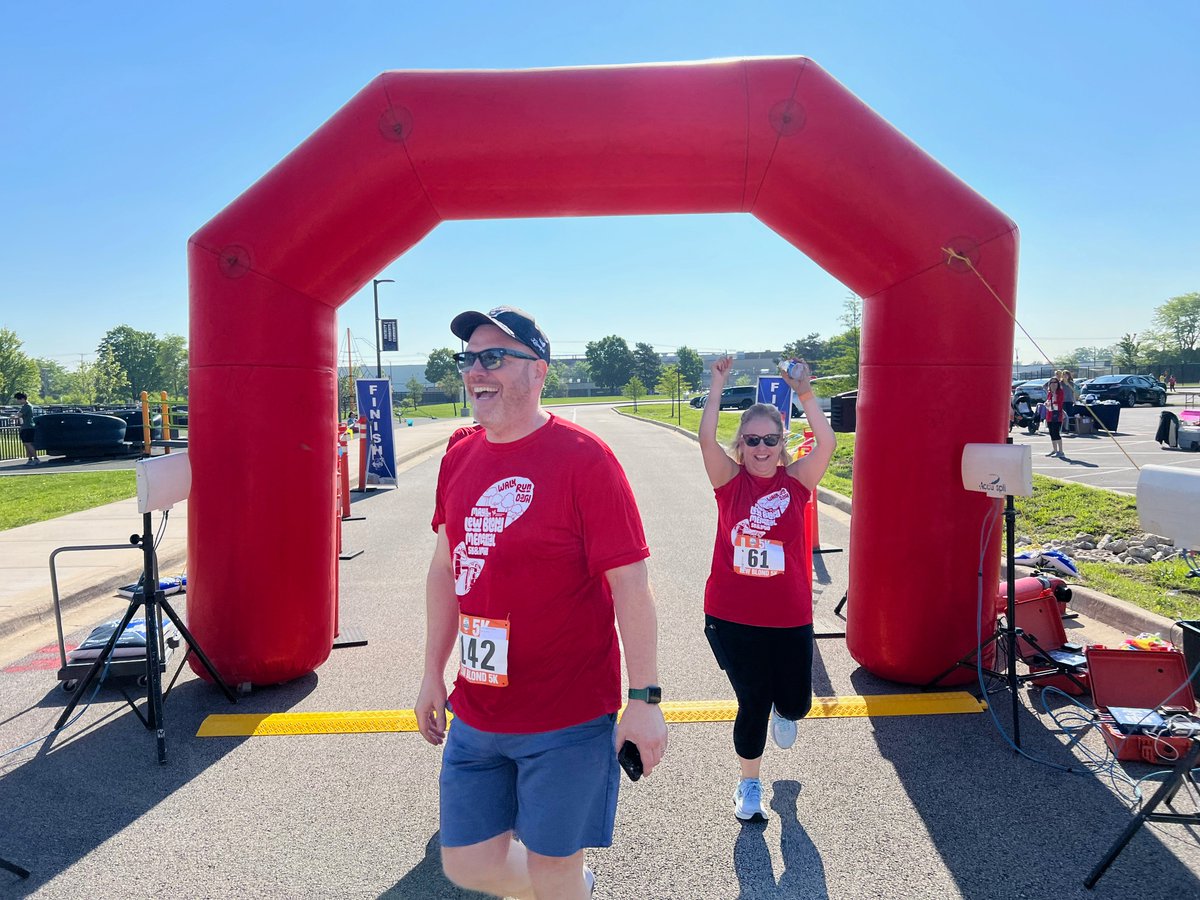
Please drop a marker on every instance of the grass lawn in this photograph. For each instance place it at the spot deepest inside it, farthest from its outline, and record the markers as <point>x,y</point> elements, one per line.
<point>1056,510</point>
<point>448,411</point>
<point>25,499</point>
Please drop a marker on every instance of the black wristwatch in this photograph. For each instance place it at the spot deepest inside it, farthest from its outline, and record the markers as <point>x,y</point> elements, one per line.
<point>650,694</point>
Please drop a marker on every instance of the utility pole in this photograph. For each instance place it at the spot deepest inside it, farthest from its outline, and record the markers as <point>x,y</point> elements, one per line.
<point>375,283</point>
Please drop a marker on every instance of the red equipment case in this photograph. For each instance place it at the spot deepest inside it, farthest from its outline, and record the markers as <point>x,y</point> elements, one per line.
<point>1142,679</point>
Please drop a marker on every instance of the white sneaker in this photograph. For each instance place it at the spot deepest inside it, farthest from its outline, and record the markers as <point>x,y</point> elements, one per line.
<point>589,880</point>
<point>747,801</point>
<point>783,731</point>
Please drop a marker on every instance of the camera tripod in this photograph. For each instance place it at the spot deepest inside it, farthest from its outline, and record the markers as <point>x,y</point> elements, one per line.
<point>1165,794</point>
<point>1008,637</point>
<point>155,603</point>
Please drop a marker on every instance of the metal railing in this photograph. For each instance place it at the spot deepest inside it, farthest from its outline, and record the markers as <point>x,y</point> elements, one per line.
<point>10,443</point>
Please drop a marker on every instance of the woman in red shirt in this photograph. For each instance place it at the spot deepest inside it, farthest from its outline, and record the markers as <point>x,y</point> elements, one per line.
<point>758,599</point>
<point>1054,415</point>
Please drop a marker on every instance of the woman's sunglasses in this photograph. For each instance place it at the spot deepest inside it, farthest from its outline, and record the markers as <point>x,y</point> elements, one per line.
<point>751,440</point>
<point>489,359</point>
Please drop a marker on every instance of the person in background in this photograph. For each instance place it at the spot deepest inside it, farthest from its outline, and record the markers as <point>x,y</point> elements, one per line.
<point>758,600</point>
<point>27,430</point>
<point>1054,415</point>
<point>1067,382</point>
<point>1171,383</point>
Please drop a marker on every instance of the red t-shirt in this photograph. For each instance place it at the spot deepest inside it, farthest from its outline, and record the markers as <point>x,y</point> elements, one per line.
<point>759,574</point>
<point>533,525</point>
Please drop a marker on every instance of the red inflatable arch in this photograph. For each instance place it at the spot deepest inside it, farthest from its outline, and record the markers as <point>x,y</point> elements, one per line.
<point>777,138</point>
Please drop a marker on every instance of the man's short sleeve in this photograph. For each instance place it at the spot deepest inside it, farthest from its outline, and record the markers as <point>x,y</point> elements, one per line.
<point>439,503</point>
<point>608,515</point>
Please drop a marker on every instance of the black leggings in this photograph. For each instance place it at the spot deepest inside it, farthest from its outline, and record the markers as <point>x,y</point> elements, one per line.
<point>1055,427</point>
<point>766,666</point>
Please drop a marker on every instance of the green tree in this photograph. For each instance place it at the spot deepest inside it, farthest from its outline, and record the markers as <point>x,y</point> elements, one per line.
<point>1179,319</point>
<point>451,384</point>
<point>670,382</point>
<point>611,362</point>
<point>1129,352</point>
<point>851,319</point>
<point>691,366</point>
<point>102,381</point>
<point>440,364</point>
<point>54,377</point>
<point>634,390</point>
<point>416,390</point>
<point>171,357</point>
<point>647,364</point>
<point>1088,357</point>
<point>556,380</point>
<point>18,372</point>
<point>743,380</point>
<point>841,357</point>
<point>136,352</point>
<point>810,348</point>
<point>581,371</point>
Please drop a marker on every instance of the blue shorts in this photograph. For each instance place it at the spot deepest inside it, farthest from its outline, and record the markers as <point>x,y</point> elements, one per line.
<point>557,790</point>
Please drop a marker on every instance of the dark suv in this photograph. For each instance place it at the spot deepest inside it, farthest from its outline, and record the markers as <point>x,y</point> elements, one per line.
<point>1128,390</point>
<point>741,397</point>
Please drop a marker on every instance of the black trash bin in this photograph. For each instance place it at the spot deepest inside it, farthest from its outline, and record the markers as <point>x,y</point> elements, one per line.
<point>843,411</point>
<point>1191,651</point>
<point>1108,414</point>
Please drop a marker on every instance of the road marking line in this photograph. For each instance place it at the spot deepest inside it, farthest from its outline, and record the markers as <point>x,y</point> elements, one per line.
<point>680,711</point>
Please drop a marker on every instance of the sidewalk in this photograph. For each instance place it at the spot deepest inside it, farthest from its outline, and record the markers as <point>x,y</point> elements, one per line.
<point>26,596</point>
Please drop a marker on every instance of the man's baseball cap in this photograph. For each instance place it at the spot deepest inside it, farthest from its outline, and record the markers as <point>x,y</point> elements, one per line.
<point>516,323</point>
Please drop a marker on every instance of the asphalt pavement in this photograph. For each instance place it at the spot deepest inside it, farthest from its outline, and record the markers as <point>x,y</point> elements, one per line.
<point>912,807</point>
<point>1109,461</point>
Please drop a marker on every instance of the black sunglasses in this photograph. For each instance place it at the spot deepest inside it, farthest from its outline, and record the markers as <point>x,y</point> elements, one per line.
<point>751,440</point>
<point>489,359</point>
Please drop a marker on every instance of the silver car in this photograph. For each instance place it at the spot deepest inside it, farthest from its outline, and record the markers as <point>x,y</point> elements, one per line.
<point>1034,391</point>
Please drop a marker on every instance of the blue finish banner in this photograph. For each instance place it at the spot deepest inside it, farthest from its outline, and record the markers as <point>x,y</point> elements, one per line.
<point>375,405</point>
<point>773,390</point>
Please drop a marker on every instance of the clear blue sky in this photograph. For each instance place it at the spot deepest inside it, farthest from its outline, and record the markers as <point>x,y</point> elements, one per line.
<point>125,127</point>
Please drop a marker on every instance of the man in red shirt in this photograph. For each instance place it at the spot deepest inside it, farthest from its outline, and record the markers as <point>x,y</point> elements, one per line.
<point>539,547</point>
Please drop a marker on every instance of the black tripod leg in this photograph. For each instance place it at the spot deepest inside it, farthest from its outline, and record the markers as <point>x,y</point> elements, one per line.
<point>154,674</point>
<point>104,656</point>
<point>837,610</point>
<point>195,648</point>
<point>1165,791</point>
<point>14,868</point>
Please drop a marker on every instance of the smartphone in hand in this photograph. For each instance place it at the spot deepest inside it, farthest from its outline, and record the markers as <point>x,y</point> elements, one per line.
<point>630,760</point>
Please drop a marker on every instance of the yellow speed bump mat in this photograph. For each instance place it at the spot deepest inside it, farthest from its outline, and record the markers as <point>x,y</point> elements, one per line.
<point>679,711</point>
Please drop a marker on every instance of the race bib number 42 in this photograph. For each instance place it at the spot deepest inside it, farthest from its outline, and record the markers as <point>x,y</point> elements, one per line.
<point>483,645</point>
<point>757,556</point>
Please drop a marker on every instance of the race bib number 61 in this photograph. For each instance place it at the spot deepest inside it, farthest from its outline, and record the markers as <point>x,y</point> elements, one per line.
<point>483,646</point>
<point>757,556</point>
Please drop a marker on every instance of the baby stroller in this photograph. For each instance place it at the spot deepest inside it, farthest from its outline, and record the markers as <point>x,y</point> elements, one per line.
<point>1023,416</point>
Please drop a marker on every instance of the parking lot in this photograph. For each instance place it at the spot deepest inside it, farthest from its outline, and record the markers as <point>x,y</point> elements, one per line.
<point>1105,461</point>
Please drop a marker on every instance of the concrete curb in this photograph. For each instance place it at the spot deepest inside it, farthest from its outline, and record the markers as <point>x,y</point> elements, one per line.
<point>1124,616</point>
<point>1104,609</point>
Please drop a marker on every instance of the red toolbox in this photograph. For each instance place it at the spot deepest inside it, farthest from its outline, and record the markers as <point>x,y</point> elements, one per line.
<point>1141,679</point>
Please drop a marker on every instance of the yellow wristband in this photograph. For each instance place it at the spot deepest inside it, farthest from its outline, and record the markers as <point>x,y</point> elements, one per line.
<point>805,396</point>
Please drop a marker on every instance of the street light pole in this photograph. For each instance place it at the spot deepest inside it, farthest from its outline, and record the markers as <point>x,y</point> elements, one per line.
<point>375,283</point>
